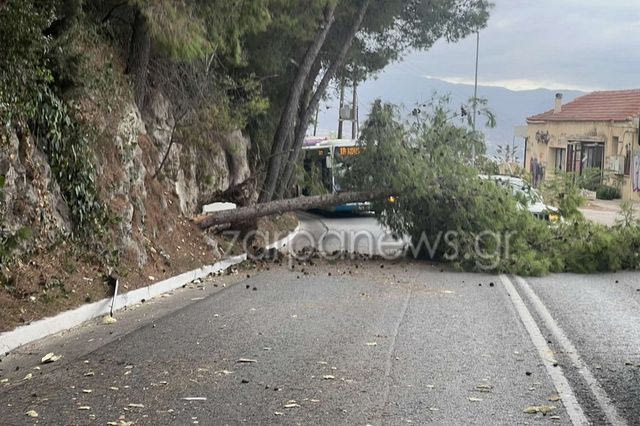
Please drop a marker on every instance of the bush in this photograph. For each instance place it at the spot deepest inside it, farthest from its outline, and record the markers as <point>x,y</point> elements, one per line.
<point>606,192</point>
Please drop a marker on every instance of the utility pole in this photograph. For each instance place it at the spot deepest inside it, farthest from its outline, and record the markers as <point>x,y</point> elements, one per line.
<point>315,124</point>
<point>475,98</point>
<point>354,122</point>
<point>340,122</point>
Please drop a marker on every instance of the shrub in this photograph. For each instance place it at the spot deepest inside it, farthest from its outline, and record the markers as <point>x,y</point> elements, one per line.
<point>564,190</point>
<point>606,192</point>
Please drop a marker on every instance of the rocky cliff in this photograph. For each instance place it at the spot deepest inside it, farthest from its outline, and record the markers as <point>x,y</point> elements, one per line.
<point>142,200</point>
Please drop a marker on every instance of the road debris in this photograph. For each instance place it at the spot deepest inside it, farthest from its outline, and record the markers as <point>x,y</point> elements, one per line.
<point>135,405</point>
<point>194,398</point>
<point>372,344</point>
<point>484,388</point>
<point>291,404</point>
<point>32,413</point>
<point>329,377</point>
<point>108,320</point>
<point>246,361</point>
<point>472,399</point>
<point>50,357</point>
<point>535,409</point>
<point>84,408</point>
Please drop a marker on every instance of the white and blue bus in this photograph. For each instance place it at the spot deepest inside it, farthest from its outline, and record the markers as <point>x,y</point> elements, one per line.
<point>324,159</point>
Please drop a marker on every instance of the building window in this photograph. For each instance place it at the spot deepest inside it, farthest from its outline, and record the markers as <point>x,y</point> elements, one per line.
<point>560,156</point>
<point>615,146</point>
<point>585,155</point>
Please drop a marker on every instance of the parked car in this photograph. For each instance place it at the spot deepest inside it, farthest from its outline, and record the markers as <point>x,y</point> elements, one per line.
<point>529,197</point>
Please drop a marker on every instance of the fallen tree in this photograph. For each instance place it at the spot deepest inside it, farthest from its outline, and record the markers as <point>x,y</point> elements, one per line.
<point>245,214</point>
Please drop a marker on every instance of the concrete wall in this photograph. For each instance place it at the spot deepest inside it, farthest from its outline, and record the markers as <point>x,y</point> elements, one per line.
<point>561,133</point>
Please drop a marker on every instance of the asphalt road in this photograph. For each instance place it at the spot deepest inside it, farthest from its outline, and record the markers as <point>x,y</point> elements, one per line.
<point>345,342</point>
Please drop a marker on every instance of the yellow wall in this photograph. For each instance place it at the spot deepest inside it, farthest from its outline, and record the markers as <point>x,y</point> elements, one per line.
<point>560,133</point>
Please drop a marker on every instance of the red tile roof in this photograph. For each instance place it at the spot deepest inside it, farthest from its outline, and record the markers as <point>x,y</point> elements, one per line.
<point>617,105</point>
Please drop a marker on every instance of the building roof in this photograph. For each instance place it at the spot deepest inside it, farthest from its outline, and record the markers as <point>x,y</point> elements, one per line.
<point>619,105</point>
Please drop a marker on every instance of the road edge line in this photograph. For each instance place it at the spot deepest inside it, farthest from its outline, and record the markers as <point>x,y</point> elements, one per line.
<point>64,321</point>
<point>570,350</point>
<point>569,400</point>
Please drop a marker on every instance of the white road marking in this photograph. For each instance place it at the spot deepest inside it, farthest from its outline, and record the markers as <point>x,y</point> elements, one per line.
<point>392,349</point>
<point>601,396</point>
<point>574,410</point>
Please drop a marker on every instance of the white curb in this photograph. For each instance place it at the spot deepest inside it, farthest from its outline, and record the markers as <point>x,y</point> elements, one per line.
<point>37,330</point>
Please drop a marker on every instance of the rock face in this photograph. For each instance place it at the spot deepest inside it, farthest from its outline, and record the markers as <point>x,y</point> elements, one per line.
<point>218,164</point>
<point>31,196</point>
<point>141,203</point>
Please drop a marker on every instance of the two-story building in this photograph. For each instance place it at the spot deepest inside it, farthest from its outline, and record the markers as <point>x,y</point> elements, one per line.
<point>600,130</point>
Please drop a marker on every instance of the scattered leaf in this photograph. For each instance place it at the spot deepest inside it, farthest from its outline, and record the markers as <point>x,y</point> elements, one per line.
<point>84,408</point>
<point>136,406</point>
<point>89,374</point>
<point>246,361</point>
<point>32,413</point>
<point>555,398</point>
<point>372,344</point>
<point>544,409</point>
<point>4,381</point>
<point>484,388</point>
<point>86,391</point>
<point>278,413</point>
<point>28,377</point>
<point>50,357</point>
<point>109,320</point>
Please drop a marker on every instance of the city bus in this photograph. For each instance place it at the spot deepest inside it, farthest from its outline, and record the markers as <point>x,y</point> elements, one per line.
<point>323,163</point>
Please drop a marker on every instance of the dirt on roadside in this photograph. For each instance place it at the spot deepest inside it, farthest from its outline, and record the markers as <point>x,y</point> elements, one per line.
<point>65,277</point>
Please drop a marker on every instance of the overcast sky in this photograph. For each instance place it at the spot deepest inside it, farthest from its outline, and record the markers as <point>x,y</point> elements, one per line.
<point>555,44</point>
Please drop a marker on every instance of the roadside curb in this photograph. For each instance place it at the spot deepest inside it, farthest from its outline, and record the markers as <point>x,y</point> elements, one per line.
<point>64,321</point>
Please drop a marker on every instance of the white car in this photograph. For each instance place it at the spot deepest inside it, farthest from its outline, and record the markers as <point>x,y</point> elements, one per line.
<point>534,202</point>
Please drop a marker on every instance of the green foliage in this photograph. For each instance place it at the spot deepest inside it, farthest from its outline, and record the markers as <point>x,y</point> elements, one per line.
<point>176,29</point>
<point>607,192</point>
<point>627,217</point>
<point>24,50</point>
<point>67,147</point>
<point>590,179</point>
<point>564,190</point>
<point>451,215</point>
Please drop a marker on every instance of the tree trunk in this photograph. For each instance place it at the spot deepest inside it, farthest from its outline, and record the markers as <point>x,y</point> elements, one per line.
<point>288,116</point>
<point>305,119</point>
<point>289,166</point>
<point>139,54</point>
<point>279,207</point>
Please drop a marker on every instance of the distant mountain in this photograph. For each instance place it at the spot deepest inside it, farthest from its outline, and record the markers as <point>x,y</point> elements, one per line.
<point>405,90</point>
